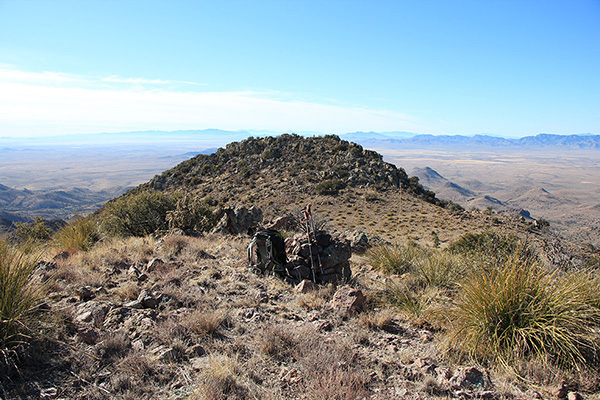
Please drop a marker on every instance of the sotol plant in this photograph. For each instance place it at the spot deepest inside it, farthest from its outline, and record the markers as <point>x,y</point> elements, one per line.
<point>18,294</point>
<point>520,309</point>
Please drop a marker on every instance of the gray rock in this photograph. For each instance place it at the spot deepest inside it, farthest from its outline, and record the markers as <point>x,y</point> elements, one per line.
<point>348,300</point>
<point>85,293</point>
<point>147,300</point>
<point>238,220</point>
<point>468,378</point>
<point>91,312</point>
<point>153,264</point>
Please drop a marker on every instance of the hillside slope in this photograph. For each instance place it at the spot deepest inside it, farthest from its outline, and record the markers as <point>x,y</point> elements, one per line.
<point>350,188</point>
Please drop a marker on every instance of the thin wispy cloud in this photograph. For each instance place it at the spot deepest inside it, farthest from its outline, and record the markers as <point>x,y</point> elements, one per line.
<point>55,103</point>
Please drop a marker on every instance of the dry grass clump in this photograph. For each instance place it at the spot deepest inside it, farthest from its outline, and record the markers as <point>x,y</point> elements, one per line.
<point>19,294</point>
<point>206,322</point>
<point>81,234</point>
<point>520,309</point>
<point>328,369</point>
<point>377,320</point>
<point>278,341</point>
<point>220,379</point>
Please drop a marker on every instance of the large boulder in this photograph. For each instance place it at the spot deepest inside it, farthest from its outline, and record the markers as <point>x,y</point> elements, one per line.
<point>239,220</point>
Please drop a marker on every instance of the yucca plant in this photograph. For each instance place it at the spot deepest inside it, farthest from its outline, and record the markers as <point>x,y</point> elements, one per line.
<point>18,294</point>
<point>520,309</point>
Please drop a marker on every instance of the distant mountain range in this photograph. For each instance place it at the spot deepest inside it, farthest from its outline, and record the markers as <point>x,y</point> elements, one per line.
<point>581,141</point>
<point>219,137</point>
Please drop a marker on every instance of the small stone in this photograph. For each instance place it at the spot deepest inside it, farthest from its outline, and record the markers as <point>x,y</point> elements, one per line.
<point>138,345</point>
<point>85,293</point>
<point>147,300</point>
<point>487,394</point>
<point>63,255</point>
<point>153,264</point>
<point>533,394</point>
<point>49,393</point>
<point>306,286</point>
<point>89,336</point>
<point>574,396</point>
<point>323,326</point>
<point>463,395</point>
<point>562,391</point>
<point>195,351</point>
<point>348,300</point>
<point>466,378</point>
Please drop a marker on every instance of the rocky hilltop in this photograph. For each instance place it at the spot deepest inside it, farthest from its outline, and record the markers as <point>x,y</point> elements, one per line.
<point>287,164</point>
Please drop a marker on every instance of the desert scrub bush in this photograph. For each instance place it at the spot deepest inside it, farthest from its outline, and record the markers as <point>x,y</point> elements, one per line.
<point>81,234</point>
<point>519,309</point>
<point>19,294</point>
<point>491,248</point>
<point>138,214</point>
<point>190,213</point>
<point>36,231</point>
<point>330,187</point>
<point>393,259</point>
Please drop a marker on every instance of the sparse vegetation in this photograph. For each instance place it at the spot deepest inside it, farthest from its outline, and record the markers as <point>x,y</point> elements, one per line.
<point>150,312</point>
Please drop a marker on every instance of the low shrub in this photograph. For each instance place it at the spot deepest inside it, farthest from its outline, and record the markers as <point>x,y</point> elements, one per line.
<point>138,214</point>
<point>191,213</point>
<point>330,187</point>
<point>36,231</point>
<point>491,248</point>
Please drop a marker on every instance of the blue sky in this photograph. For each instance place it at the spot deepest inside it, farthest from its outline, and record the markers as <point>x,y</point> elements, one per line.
<point>508,68</point>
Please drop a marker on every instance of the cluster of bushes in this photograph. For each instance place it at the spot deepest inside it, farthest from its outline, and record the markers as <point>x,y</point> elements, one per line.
<point>147,212</point>
<point>496,301</point>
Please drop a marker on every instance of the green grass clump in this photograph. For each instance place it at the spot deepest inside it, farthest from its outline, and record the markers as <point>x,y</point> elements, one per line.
<point>520,309</point>
<point>393,259</point>
<point>81,234</point>
<point>18,294</point>
<point>439,269</point>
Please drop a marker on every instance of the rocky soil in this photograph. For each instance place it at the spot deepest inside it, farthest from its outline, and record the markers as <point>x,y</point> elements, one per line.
<point>182,318</point>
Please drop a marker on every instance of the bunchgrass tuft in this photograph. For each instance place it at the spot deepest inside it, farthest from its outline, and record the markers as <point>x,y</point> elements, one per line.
<point>520,309</point>
<point>19,294</point>
<point>440,269</point>
<point>81,234</point>
<point>393,259</point>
